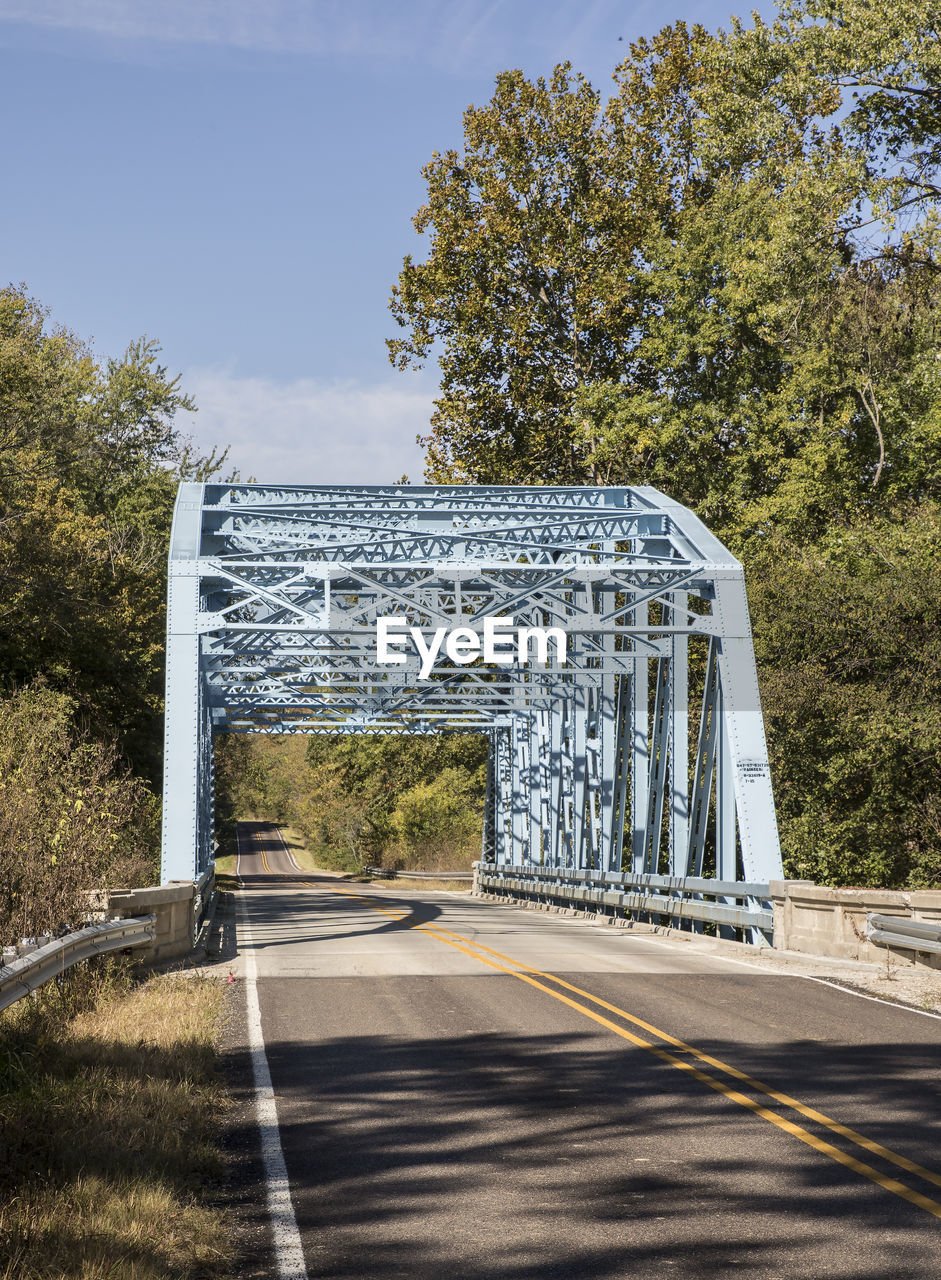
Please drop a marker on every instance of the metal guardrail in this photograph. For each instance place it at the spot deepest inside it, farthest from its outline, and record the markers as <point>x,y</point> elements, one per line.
<point>726,902</point>
<point>204,904</point>
<point>902,931</point>
<point>389,873</point>
<point>52,959</point>
<point>435,875</point>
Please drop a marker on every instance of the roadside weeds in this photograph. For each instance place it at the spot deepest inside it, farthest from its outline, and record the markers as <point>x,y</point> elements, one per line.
<point>110,1104</point>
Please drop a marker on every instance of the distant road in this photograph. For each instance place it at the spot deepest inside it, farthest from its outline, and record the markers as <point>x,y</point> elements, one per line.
<point>467,1089</point>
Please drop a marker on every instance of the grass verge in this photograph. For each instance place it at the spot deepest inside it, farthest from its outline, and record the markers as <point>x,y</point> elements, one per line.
<point>402,881</point>
<point>297,844</point>
<point>225,866</point>
<point>109,1105</point>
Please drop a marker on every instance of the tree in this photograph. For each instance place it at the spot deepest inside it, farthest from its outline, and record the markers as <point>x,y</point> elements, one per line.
<point>538,279</point>
<point>848,641</point>
<point>437,825</point>
<point>884,59</point>
<point>672,288</point>
<point>746,240</point>
<point>412,799</point>
<point>89,459</point>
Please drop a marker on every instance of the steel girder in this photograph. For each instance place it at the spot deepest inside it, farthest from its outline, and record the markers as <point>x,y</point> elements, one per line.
<point>273,598</point>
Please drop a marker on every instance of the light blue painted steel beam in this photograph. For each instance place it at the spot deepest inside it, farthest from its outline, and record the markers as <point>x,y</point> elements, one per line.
<point>187,744</point>
<point>273,600</point>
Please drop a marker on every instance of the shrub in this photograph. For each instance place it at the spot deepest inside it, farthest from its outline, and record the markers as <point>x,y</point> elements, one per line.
<point>437,824</point>
<point>72,818</point>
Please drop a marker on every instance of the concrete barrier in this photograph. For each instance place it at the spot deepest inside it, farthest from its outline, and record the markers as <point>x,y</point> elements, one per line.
<point>832,922</point>
<point>178,906</point>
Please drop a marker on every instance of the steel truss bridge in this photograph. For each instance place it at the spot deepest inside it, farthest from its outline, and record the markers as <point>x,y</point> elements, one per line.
<point>641,756</point>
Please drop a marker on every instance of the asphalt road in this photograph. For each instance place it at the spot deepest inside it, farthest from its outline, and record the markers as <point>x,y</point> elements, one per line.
<point>471,1090</point>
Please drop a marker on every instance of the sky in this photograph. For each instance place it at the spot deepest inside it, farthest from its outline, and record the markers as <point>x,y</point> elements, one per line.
<point>237,178</point>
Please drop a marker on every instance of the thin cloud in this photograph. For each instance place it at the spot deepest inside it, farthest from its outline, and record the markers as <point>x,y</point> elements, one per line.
<point>309,431</point>
<point>462,35</point>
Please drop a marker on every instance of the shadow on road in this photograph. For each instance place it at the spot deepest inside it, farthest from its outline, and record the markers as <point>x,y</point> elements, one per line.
<point>551,1157</point>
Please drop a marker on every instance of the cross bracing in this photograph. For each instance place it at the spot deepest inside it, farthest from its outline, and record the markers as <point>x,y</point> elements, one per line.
<point>643,751</point>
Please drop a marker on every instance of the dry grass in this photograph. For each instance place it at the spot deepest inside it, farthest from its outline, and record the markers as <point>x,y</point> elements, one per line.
<point>107,1123</point>
<point>435,856</point>
<point>402,881</point>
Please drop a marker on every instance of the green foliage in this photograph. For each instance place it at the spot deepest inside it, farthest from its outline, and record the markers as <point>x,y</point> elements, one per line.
<point>790,351</point>
<point>437,824</point>
<point>849,646</point>
<point>262,778</point>
<point>674,287</point>
<point>410,801</point>
<point>538,279</point>
<point>885,61</point>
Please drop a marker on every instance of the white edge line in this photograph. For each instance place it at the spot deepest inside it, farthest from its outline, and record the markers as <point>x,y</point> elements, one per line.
<point>673,945</point>
<point>783,973</point>
<point>293,861</point>
<point>238,855</point>
<point>893,1004</point>
<point>289,1252</point>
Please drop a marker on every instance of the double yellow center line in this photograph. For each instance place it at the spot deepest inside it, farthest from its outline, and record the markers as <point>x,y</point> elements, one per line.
<point>588,1005</point>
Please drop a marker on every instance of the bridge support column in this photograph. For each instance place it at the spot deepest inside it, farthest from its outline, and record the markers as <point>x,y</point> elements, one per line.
<point>185,747</point>
<point>743,733</point>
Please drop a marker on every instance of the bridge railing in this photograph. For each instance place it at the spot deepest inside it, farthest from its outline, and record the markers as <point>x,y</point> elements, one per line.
<point>398,873</point>
<point>732,904</point>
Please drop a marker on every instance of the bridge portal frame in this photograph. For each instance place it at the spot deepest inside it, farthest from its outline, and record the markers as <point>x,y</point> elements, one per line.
<point>273,597</point>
